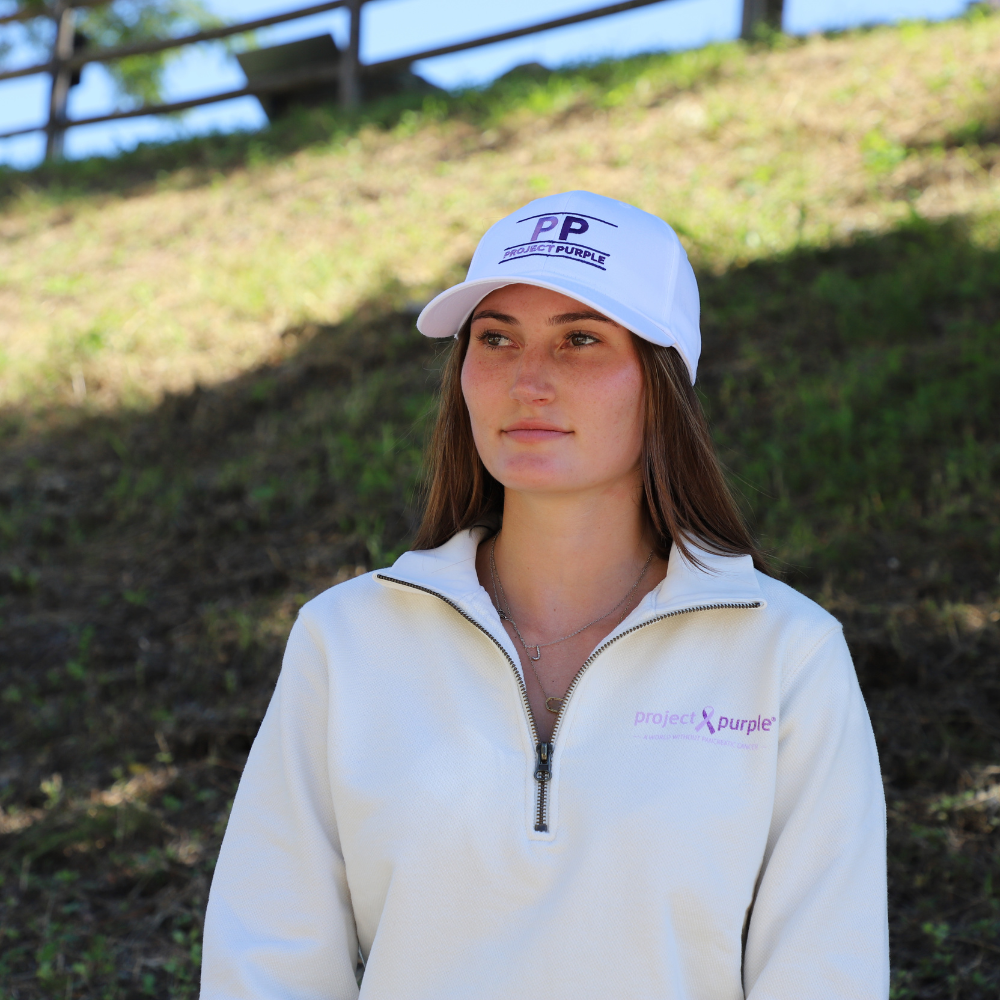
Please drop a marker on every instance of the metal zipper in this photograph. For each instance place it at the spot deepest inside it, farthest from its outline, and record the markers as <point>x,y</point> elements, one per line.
<point>544,751</point>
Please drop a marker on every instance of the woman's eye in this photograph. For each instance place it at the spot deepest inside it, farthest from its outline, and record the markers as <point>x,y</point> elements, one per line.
<point>582,339</point>
<point>493,339</point>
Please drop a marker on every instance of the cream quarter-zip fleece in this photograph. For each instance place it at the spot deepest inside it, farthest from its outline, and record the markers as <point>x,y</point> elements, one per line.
<point>713,825</point>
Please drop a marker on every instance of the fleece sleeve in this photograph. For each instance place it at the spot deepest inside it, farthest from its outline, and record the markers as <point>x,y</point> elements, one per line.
<point>279,922</point>
<point>819,923</point>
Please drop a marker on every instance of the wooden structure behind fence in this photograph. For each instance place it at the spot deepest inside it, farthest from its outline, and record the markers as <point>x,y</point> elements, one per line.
<point>64,61</point>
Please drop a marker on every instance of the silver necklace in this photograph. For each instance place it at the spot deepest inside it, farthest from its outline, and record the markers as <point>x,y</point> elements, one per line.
<point>503,609</point>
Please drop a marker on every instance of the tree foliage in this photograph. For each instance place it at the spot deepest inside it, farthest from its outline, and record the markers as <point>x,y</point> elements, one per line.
<point>138,79</point>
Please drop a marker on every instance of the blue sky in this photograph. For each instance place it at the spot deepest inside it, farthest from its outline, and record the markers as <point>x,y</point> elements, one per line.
<point>395,27</point>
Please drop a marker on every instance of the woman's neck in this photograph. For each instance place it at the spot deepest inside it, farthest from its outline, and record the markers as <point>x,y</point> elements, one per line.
<point>571,568</point>
<point>564,560</point>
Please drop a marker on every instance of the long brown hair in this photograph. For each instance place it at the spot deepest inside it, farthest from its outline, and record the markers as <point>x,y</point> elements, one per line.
<point>685,494</point>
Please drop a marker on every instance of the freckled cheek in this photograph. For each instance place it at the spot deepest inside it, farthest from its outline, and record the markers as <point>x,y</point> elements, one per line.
<point>484,392</point>
<point>612,404</point>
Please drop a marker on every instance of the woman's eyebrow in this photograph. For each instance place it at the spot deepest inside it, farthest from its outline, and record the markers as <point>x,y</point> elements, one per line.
<point>499,316</point>
<point>577,317</point>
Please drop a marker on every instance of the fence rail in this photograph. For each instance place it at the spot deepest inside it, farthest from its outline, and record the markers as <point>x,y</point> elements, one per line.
<point>80,59</point>
<point>64,61</point>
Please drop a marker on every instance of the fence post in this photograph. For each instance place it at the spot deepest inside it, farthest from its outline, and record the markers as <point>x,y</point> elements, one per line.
<point>62,49</point>
<point>761,12</point>
<point>350,59</point>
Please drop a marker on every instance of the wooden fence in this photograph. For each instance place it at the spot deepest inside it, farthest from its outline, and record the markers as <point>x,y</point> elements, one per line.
<point>347,73</point>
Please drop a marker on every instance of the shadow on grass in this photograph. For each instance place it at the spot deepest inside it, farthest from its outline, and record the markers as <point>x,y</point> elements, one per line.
<point>153,563</point>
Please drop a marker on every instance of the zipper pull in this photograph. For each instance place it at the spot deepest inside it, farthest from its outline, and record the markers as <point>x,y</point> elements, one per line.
<point>543,772</point>
<point>543,762</point>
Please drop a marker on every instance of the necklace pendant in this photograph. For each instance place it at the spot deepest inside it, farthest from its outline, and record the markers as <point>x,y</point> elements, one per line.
<point>538,654</point>
<point>558,705</point>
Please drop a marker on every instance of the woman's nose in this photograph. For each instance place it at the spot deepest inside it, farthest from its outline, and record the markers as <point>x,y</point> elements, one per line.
<point>532,382</point>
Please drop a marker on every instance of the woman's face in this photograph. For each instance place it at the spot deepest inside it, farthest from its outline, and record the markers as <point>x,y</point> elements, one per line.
<point>554,391</point>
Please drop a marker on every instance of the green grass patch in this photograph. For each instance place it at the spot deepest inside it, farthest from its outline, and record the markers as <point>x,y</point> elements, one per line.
<point>157,559</point>
<point>155,545</point>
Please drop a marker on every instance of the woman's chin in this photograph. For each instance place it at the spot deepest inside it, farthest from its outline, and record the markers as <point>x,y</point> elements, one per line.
<point>541,481</point>
<point>536,471</point>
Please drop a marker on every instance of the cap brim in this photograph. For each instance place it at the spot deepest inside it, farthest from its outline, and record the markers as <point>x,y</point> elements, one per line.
<point>446,313</point>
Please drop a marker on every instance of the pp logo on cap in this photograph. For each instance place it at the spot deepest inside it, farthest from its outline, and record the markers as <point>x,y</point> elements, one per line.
<point>565,227</point>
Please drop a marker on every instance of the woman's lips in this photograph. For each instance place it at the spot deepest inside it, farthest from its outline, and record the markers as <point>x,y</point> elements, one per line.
<point>528,435</point>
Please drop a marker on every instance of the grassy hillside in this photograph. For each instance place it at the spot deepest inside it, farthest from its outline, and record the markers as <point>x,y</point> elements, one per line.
<point>185,274</point>
<point>213,402</point>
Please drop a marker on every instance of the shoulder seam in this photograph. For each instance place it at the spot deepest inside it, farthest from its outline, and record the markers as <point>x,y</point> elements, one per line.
<point>836,627</point>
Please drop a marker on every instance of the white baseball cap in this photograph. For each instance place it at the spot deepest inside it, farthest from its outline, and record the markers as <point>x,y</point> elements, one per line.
<point>615,258</point>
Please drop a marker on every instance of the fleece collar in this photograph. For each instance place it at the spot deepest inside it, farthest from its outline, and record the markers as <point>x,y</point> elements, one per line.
<point>450,572</point>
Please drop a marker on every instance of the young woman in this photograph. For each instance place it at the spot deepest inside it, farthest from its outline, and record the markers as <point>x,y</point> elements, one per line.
<point>574,744</point>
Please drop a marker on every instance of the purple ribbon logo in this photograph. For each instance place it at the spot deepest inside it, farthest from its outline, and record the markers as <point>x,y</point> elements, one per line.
<point>706,715</point>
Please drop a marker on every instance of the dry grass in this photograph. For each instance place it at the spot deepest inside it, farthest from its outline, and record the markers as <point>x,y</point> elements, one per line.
<point>109,299</point>
<point>158,536</point>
